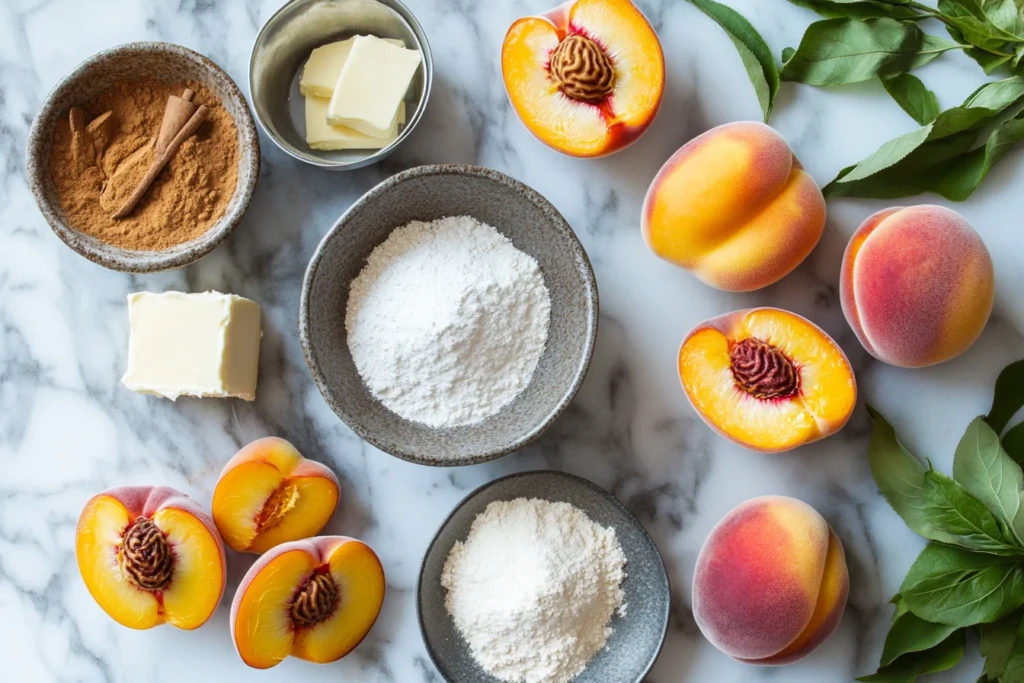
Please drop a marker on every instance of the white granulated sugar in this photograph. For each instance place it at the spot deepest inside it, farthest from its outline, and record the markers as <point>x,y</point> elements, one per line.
<point>447,321</point>
<point>533,589</point>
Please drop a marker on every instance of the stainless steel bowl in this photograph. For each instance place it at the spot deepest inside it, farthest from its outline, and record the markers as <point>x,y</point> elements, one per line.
<point>281,50</point>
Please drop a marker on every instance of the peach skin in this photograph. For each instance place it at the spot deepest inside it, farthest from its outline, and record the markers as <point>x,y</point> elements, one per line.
<point>150,555</point>
<point>771,582</point>
<point>314,599</point>
<point>767,379</point>
<point>587,77</point>
<point>269,494</point>
<point>917,285</point>
<point>734,207</point>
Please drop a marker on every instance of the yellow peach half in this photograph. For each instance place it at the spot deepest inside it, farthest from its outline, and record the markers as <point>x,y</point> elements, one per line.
<point>768,379</point>
<point>314,599</point>
<point>587,77</point>
<point>268,493</point>
<point>150,555</point>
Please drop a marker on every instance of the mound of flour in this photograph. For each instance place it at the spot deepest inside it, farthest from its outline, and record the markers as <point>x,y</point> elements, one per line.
<point>533,589</point>
<point>447,321</point>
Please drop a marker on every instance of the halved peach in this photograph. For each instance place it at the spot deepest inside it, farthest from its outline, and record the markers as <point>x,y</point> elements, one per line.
<point>150,555</point>
<point>314,599</point>
<point>269,494</point>
<point>587,77</point>
<point>767,378</point>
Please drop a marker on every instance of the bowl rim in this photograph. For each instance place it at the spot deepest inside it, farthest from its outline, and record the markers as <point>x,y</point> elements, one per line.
<point>591,294</point>
<point>378,155</point>
<point>135,261</point>
<point>574,479</point>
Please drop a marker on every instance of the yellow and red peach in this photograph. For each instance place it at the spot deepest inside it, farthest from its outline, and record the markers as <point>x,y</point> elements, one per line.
<point>917,285</point>
<point>269,494</point>
<point>771,582</point>
<point>734,207</point>
<point>150,555</point>
<point>314,599</point>
<point>768,379</point>
<point>587,77</point>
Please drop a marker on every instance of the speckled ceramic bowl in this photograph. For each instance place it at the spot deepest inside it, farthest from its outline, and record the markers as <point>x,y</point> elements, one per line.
<point>427,193</point>
<point>282,48</point>
<point>153,60</point>
<point>637,636</point>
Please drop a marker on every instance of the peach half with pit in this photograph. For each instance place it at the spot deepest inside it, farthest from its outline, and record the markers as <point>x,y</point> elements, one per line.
<point>771,582</point>
<point>734,207</point>
<point>587,77</point>
<point>314,599</point>
<point>150,555</point>
<point>768,379</point>
<point>268,493</point>
<point>917,285</point>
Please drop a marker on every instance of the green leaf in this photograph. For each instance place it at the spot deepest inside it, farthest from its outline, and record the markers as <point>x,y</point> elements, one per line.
<point>940,156</point>
<point>997,640</point>
<point>838,51</point>
<point>754,52</point>
<point>1008,397</point>
<point>1013,667</point>
<point>1013,443</point>
<point>911,633</point>
<point>990,475</point>
<point>931,504</point>
<point>952,586</point>
<point>913,97</point>
<point>961,519</point>
<point>860,9</point>
<point>1003,17</point>
<point>907,668</point>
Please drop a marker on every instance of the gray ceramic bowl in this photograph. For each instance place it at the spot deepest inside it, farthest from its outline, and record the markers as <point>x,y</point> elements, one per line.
<point>165,61</point>
<point>281,50</point>
<point>427,193</point>
<point>636,638</point>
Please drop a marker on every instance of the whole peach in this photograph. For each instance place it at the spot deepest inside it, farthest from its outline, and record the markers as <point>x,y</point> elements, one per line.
<point>734,207</point>
<point>771,582</point>
<point>917,285</point>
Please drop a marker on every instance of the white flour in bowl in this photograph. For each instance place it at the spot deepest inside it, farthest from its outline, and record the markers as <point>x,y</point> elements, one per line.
<point>533,589</point>
<point>447,321</point>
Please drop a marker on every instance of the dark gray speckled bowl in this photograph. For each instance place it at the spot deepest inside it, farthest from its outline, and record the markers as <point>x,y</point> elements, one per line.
<point>165,61</point>
<point>636,638</point>
<point>427,193</point>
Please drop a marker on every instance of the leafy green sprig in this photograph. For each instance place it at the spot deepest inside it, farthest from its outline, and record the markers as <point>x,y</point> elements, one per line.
<point>861,40</point>
<point>970,575</point>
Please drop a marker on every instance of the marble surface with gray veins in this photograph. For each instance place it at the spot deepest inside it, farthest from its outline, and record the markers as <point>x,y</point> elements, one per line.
<point>69,429</point>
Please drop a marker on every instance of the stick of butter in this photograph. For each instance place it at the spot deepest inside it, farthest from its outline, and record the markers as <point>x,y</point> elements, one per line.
<point>204,344</point>
<point>372,83</point>
<point>324,65</point>
<point>322,135</point>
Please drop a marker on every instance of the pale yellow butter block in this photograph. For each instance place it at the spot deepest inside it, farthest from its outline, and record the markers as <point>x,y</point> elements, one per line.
<point>324,65</point>
<point>322,135</point>
<point>372,83</point>
<point>204,344</point>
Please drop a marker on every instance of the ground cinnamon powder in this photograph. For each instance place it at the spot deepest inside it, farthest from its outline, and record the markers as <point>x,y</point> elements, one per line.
<point>189,195</point>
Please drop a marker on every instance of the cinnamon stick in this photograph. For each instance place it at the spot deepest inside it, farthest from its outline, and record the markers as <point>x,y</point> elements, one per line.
<point>176,114</point>
<point>158,164</point>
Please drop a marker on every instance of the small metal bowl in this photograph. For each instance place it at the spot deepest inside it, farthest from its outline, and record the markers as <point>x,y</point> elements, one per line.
<point>165,61</point>
<point>282,48</point>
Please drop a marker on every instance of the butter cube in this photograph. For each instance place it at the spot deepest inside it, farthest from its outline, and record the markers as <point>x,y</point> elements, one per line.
<point>324,65</point>
<point>204,344</point>
<point>372,83</point>
<point>322,135</point>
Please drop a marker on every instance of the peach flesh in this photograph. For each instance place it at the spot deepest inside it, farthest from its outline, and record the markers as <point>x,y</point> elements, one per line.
<point>150,555</point>
<point>268,493</point>
<point>314,599</point>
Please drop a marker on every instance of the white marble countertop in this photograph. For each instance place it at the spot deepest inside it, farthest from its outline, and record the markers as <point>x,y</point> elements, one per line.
<point>69,429</point>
